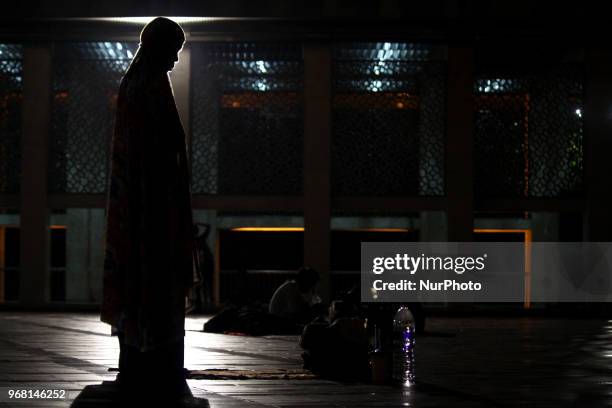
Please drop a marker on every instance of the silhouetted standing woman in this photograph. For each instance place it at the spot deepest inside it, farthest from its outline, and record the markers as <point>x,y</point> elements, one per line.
<point>148,265</point>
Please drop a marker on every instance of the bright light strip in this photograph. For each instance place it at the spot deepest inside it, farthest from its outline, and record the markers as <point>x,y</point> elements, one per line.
<point>268,229</point>
<point>380,229</point>
<point>145,20</point>
<point>276,229</point>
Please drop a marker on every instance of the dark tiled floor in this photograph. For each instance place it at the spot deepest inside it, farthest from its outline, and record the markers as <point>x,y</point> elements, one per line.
<point>476,362</point>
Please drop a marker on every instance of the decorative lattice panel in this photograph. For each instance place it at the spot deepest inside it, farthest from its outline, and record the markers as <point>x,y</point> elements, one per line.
<point>529,135</point>
<point>247,120</point>
<point>86,79</point>
<point>388,119</point>
<point>10,117</point>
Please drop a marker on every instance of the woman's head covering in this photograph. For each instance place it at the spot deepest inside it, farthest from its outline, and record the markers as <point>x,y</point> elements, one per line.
<point>160,33</point>
<point>158,38</point>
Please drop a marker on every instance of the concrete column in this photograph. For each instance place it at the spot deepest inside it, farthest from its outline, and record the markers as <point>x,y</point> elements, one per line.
<point>96,254</point>
<point>459,144</point>
<point>597,114</point>
<point>37,76</point>
<point>433,226</point>
<point>317,157</point>
<point>2,262</point>
<point>84,254</point>
<point>210,217</point>
<point>77,255</point>
<point>545,226</point>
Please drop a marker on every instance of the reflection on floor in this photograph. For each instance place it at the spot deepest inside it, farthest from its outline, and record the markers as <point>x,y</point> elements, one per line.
<point>462,362</point>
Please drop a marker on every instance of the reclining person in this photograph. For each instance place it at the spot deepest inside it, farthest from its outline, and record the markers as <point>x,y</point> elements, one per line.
<point>293,304</point>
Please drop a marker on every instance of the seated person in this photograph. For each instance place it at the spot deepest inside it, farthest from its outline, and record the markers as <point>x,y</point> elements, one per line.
<point>337,348</point>
<point>297,299</point>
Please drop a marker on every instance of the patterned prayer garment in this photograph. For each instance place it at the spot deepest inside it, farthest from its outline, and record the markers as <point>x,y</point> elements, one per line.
<point>149,265</point>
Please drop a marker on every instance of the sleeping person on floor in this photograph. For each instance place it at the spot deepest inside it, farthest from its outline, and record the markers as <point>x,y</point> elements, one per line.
<point>293,304</point>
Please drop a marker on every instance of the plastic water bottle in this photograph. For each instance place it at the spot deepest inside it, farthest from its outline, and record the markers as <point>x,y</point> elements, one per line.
<point>403,347</point>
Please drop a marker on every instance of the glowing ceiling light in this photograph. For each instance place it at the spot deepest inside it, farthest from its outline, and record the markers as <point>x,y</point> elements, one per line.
<point>145,20</point>
<point>579,112</point>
